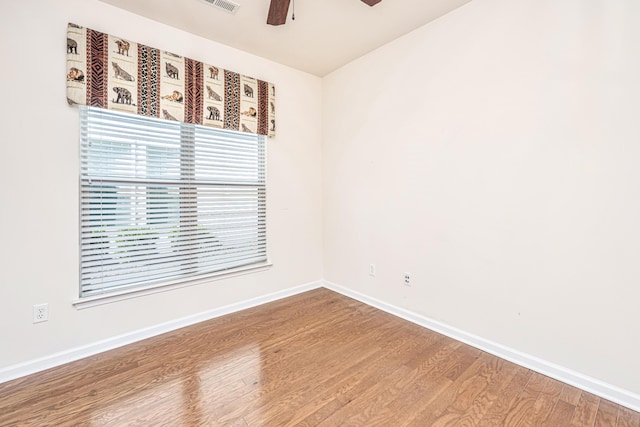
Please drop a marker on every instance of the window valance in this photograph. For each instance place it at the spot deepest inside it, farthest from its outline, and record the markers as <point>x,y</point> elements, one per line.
<point>111,72</point>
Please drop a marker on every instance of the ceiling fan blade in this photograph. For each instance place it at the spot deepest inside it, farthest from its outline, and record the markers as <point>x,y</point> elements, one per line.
<point>371,2</point>
<point>278,10</point>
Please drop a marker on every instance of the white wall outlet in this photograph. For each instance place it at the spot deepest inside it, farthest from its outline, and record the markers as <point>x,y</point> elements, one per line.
<point>372,270</point>
<point>407,279</point>
<point>40,313</point>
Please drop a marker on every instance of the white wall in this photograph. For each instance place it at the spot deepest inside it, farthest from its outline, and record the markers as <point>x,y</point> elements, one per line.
<point>39,171</point>
<point>494,155</point>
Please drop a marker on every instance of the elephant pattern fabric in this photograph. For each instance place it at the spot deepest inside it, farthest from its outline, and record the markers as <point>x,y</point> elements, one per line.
<point>111,72</point>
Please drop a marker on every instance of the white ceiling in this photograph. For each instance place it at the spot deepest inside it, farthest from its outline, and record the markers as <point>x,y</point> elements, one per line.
<point>325,35</point>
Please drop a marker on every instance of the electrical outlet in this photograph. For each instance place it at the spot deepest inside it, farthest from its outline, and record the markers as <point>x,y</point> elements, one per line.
<point>372,270</point>
<point>40,313</point>
<point>407,279</point>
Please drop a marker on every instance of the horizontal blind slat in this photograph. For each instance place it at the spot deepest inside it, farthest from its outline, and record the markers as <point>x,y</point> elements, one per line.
<point>97,289</point>
<point>142,276</point>
<point>168,262</point>
<point>107,250</point>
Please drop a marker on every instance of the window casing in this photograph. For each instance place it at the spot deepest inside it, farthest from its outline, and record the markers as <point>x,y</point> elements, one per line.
<point>163,202</point>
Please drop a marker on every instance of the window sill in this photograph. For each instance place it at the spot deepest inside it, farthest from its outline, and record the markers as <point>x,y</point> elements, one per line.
<point>92,301</point>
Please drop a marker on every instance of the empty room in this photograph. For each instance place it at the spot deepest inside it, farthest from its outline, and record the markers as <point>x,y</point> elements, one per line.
<point>320,213</point>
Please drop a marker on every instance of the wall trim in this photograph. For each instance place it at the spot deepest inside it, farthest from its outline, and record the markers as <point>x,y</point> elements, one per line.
<point>37,365</point>
<point>592,385</point>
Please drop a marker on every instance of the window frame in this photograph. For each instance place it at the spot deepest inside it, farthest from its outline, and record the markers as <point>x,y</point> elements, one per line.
<point>189,191</point>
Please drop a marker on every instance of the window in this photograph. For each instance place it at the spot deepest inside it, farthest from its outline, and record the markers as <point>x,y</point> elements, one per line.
<point>163,202</point>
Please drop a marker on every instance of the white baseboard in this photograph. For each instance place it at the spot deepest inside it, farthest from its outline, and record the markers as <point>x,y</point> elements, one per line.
<point>576,379</point>
<point>71,355</point>
<point>592,385</point>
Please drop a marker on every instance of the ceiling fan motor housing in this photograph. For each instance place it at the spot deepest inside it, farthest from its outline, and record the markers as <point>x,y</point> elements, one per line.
<point>278,10</point>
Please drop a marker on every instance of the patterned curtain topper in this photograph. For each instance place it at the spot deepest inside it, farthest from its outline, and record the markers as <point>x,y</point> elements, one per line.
<point>111,72</point>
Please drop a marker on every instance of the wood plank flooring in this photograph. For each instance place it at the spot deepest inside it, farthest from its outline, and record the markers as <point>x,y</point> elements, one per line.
<point>315,359</point>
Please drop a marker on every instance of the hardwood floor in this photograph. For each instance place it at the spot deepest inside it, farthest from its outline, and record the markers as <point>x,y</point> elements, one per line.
<point>315,359</point>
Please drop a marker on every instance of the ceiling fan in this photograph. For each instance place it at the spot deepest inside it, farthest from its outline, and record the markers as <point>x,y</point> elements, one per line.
<point>278,10</point>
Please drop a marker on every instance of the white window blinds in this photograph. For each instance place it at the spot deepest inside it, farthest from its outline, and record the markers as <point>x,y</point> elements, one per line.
<point>162,202</point>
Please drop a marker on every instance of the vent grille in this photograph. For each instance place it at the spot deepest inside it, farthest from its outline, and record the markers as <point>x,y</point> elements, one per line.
<point>226,5</point>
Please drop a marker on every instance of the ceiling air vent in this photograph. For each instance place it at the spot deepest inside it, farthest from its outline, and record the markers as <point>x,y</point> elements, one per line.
<point>226,5</point>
